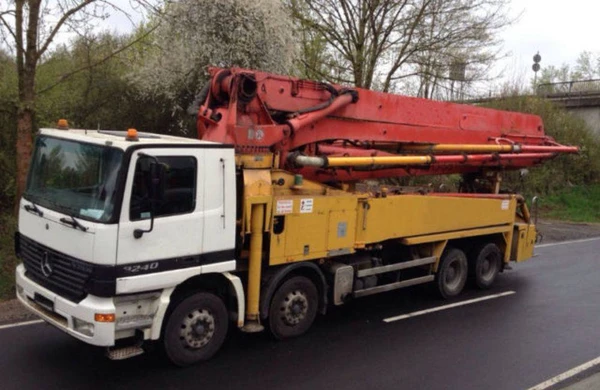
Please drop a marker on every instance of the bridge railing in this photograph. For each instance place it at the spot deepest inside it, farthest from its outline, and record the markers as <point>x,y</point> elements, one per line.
<point>569,88</point>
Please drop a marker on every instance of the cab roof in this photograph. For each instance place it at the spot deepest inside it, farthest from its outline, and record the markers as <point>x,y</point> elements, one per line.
<point>118,138</point>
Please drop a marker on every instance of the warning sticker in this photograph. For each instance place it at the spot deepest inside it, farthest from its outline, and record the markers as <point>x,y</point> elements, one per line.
<point>306,205</point>
<point>284,206</point>
<point>504,205</point>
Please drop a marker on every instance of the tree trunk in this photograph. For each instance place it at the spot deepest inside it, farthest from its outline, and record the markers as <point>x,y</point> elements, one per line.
<point>24,139</point>
<point>27,57</point>
<point>24,146</point>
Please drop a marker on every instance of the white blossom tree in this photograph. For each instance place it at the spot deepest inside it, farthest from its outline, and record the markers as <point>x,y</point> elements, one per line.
<point>193,34</point>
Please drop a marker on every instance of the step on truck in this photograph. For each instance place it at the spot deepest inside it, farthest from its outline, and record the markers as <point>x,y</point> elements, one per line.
<point>276,212</point>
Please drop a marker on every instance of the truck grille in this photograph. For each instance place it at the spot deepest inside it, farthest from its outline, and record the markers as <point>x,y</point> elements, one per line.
<point>62,274</point>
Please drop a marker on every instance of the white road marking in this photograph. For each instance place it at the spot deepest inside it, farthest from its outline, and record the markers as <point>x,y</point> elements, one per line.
<point>21,324</point>
<point>566,375</point>
<point>450,306</point>
<point>568,242</point>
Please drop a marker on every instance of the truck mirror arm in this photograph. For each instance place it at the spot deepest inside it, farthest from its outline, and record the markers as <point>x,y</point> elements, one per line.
<point>138,233</point>
<point>157,191</point>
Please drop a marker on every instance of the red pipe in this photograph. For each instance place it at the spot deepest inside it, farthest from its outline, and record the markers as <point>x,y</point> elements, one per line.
<point>312,117</point>
<point>358,152</point>
<point>489,157</point>
<point>553,149</point>
<point>351,151</point>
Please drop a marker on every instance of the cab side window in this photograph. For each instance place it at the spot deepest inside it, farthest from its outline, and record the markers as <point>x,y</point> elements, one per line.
<point>180,188</point>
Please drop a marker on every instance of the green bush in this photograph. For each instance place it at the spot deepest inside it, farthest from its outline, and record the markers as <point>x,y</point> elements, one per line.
<point>565,170</point>
<point>8,126</point>
<point>576,204</point>
<point>8,260</point>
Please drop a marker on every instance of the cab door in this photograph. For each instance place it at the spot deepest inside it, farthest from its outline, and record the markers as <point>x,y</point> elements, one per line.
<point>177,221</point>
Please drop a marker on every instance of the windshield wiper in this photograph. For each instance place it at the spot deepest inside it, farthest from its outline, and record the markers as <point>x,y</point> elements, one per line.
<point>32,208</point>
<point>74,223</point>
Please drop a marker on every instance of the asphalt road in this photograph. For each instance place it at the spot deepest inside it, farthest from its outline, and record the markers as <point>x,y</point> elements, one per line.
<point>550,324</point>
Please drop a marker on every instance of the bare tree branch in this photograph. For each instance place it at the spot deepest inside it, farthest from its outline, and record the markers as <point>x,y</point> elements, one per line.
<point>60,23</point>
<point>9,29</point>
<point>381,41</point>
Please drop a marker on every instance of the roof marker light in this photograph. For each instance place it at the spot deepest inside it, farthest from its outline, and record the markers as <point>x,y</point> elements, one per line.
<point>62,124</point>
<point>132,135</point>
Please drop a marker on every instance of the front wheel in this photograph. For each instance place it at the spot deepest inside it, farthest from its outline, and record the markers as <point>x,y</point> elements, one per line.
<point>293,308</point>
<point>196,329</point>
<point>452,273</point>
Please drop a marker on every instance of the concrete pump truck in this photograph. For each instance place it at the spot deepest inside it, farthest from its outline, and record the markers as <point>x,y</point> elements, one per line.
<point>128,238</point>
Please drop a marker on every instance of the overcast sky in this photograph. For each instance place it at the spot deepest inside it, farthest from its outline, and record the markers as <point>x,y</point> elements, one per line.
<point>559,30</point>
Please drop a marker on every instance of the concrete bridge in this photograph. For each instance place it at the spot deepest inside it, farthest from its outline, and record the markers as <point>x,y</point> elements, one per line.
<point>581,98</point>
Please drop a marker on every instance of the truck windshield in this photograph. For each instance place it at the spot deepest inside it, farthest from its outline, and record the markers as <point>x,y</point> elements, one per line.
<point>75,178</point>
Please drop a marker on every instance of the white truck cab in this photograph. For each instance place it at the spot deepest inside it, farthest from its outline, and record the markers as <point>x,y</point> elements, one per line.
<point>112,222</point>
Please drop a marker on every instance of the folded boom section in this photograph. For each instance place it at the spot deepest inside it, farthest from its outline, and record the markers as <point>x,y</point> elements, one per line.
<point>329,132</point>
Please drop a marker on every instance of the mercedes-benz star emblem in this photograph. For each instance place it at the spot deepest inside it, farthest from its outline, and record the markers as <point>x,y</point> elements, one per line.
<point>45,265</point>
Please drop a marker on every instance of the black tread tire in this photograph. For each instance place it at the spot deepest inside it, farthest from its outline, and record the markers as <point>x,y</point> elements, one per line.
<point>173,346</point>
<point>279,327</point>
<point>453,260</point>
<point>483,276</point>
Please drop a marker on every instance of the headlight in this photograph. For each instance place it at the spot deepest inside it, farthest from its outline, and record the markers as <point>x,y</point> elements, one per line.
<point>83,327</point>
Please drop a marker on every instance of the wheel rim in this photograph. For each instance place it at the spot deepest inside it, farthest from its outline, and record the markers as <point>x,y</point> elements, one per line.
<point>294,307</point>
<point>197,329</point>
<point>453,275</point>
<point>488,267</point>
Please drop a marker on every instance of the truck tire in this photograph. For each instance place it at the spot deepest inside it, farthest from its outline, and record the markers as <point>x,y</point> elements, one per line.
<point>452,273</point>
<point>485,262</point>
<point>293,308</point>
<point>196,329</point>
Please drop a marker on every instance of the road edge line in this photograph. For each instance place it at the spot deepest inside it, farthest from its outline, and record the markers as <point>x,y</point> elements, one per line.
<point>25,323</point>
<point>566,375</point>
<point>445,307</point>
<point>567,242</point>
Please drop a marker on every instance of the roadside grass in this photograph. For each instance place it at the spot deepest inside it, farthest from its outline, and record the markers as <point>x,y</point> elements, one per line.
<point>575,204</point>
<point>8,260</point>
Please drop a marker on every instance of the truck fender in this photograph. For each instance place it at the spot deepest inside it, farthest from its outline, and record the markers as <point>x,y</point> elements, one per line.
<point>163,304</point>
<point>237,288</point>
<point>232,283</point>
<point>274,280</point>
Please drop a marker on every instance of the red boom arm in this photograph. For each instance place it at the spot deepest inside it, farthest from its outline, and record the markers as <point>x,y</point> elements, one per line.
<point>259,112</point>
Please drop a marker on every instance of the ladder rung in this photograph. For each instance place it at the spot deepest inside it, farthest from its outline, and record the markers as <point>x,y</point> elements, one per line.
<point>393,286</point>
<point>395,267</point>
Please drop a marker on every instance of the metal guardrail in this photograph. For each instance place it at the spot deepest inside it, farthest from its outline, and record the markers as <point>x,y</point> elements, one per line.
<point>569,88</point>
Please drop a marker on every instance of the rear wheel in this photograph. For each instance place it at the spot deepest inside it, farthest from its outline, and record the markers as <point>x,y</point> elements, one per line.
<point>293,308</point>
<point>485,263</point>
<point>452,273</point>
<point>196,329</point>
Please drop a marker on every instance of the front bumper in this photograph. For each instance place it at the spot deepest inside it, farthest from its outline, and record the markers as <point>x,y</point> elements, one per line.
<point>66,315</point>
